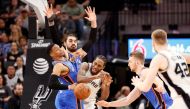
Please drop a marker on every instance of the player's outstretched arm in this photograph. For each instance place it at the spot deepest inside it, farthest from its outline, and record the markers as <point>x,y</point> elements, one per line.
<point>53,29</point>
<point>91,16</point>
<point>133,95</point>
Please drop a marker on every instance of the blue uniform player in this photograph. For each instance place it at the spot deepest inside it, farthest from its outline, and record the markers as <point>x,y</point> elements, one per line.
<point>157,95</point>
<point>74,55</point>
<point>63,78</point>
<point>61,101</point>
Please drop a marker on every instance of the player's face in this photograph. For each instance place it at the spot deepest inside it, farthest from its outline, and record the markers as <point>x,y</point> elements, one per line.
<point>71,43</point>
<point>97,66</point>
<point>56,51</point>
<point>132,64</point>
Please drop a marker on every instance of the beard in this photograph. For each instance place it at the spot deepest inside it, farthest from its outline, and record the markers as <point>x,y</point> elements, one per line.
<point>94,73</point>
<point>72,49</point>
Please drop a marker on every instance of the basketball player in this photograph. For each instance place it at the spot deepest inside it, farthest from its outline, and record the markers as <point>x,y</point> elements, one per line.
<point>63,78</point>
<point>96,79</point>
<point>172,68</point>
<point>157,95</point>
<point>70,40</point>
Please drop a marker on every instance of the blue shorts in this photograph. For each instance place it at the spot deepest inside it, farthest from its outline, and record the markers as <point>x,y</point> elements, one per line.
<point>66,99</point>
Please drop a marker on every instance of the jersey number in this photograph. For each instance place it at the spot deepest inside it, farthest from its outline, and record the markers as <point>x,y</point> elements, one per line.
<point>182,68</point>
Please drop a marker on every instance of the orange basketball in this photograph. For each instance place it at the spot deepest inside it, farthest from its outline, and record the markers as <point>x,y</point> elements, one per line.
<point>82,91</point>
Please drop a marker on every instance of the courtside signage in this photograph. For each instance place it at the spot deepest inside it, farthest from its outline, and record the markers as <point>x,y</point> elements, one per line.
<point>181,45</point>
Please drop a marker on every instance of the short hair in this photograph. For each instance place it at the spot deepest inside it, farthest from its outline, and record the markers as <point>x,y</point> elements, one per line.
<point>22,37</point>
<point>49,48</point>
<point>159,36</point>
<point>19,83</point>
<point>65,37</point>
<point>138,55</point>
<point>103,58</point>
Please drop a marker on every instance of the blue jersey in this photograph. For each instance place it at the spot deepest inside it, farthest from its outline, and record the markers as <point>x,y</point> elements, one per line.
<point>158,100</point>
<point>77,62</point>
<point>66,99</point>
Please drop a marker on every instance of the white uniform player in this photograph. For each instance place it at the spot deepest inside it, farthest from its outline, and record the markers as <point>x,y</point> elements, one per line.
<point>96,79</point>
<point>176,75</point>
<point>177,79</point>
<point>95,86</point>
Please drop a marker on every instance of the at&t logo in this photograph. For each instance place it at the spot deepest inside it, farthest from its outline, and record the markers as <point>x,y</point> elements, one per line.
<point>40,66</point>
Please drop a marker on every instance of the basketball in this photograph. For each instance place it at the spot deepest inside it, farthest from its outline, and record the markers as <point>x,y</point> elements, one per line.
<point>82,91</point>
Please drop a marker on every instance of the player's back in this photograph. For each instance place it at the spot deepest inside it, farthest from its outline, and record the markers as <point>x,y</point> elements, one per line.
<point>176,76</point>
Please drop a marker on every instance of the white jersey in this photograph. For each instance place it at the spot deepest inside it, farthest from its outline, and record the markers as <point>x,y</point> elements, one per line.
<point>11,82</point>
<point>177,76</point>
<point>95,85</point>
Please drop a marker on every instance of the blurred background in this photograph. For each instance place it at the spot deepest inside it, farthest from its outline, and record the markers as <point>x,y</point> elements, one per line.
<point>123,26</point>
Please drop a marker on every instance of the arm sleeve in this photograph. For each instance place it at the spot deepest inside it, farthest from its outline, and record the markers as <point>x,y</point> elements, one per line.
<point>55,84</point>
<point>56,37</point>
<point>91,41</point>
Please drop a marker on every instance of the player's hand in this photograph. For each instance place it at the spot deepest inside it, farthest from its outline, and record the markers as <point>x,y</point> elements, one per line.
<point>80,52</point>
<point>103,103</point>
<point>136,81</point>
<point>107,79</point>
<point>90,13</point>
<point>100,75</point>
<point>49,11</point>
<point>72,86</point>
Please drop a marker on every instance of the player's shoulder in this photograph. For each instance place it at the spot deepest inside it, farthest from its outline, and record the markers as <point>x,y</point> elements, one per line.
<point>159,58</point>
<point>85,65</point>
<point>159,61</point>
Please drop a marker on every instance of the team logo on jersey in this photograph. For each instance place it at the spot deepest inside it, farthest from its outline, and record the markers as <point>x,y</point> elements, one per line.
<point>40,95</point>
<point>94,84</point>
<point>138,46</point>
<point>40,66</point>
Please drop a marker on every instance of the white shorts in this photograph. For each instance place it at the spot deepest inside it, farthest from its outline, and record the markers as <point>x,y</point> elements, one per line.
<point>178,103</point>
